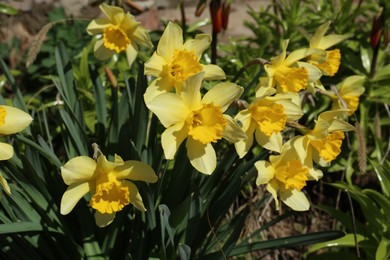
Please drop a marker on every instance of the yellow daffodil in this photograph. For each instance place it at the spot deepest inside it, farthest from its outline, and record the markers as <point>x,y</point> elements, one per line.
<point>12,120</point>
<point>288,74</point>
<point>266,117</point>
<point>330,65</point>
<point>349,90</point>
<point>199,120</point>
<point>285,177</point>
<point>323,144</point>
<point>175,61</point>
<point>108,182</point>
<point>120,32</point>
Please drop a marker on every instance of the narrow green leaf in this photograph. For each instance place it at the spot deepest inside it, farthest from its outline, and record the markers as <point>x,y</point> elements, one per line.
<point>299,240</point>
<point>383,250</point>
<point>18,227</point>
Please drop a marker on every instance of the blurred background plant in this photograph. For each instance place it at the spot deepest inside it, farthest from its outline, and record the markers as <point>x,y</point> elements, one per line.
<point>76,101</point>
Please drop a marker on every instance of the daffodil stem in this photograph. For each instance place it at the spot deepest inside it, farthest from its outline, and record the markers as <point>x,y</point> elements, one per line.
<point>183,15</point>
<point>258,61</point>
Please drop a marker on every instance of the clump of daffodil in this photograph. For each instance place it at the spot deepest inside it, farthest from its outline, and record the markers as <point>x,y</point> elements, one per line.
<point>174,61</point>
<point>288,73</point>
<point>329,64</point>
<point>12,120</point>
<point>266,118</point>
<point>120,32</point>
<point>323,144</point>
<point>199,120</point>
<point>108,182</point>
<point>285,176</point>
<point>349,91</point>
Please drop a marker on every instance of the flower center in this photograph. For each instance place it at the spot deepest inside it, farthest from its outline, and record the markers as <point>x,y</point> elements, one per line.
<point>3,114</point>
<point>291,79</point>
<point>115,39</point>
<point>206,124</point>
<point>110,195</point>
<point>270,118</point>
<point>330,147</point>
<point>184,64</point>
<point>292,174</point>
<point>332,63</point>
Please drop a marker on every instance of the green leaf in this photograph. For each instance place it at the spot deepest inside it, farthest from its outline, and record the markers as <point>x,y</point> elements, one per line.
<point>346,241</point>
<point>6,9</point>
<point>18,227</point>
<point>299,240</point>
<point>383,250</point>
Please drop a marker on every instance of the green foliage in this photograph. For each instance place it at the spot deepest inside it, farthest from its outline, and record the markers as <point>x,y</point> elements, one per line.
<point>188,214</point>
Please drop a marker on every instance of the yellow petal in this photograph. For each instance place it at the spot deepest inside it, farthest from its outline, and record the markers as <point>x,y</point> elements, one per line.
<point>296,200</point>
<point>97,26</point>
<point>114,13</point>
<point>171,39</point>
<point>190,92</point>
<point>352,86</point>
<point>101,52</point>
<point>142,37</point>
<point>16,120</point>
<point>153,91</point>
<point>72,195</point>
<point>172,137</point>
<point>272,143</point>
<point>265,172</point>
<point>298,55</point>
<point>199,44</point>
<point>331,40</point>
<point>273,187</point>
<point>315,174</point>
<point>243,146</point>
<point>135,197</point>
<point>223,94</point>
<point>314,73</point>
<point>340,125</point>
<point>213,72</point>
<point>81,168</point>
<point>103,220</point>
<point>318,35</point>
<point>131,54</point>
<point>6,151</point>
<point>301,144</point>
<point>169,108</point>
<point>4,184</point>
<point>233,133</point>
<point>135,171</point>
<point>202,156</point>
<point>154,66</point>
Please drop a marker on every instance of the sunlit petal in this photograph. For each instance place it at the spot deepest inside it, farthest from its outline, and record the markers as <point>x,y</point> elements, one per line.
<point>135,171</point>
<point>233,133</point>
<point>202,156</point>
<point>6,151</point>
<point>72,195</point>
<point>135,197</point>
<point>213,72</point>
<point>223,94</point>
<point>265,172</point>
<point>15,120</point>
<point>171,39</point>
<point>294,199</point>
<point>78,169</point>
<point>172,137</point>
<point>169,108</point>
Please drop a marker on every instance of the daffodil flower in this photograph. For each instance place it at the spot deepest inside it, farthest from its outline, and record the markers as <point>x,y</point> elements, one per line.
<point>330,65</point>
<point>120,32</point>
<point>285,176</point>
<point>323,144</point>
<point>12,120</point>
<point>175,61</point>
<point>349,90</point>
<point>266,118</point>
<point>199,120</point>
<point>108,182</point>
<point>288,74</point>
